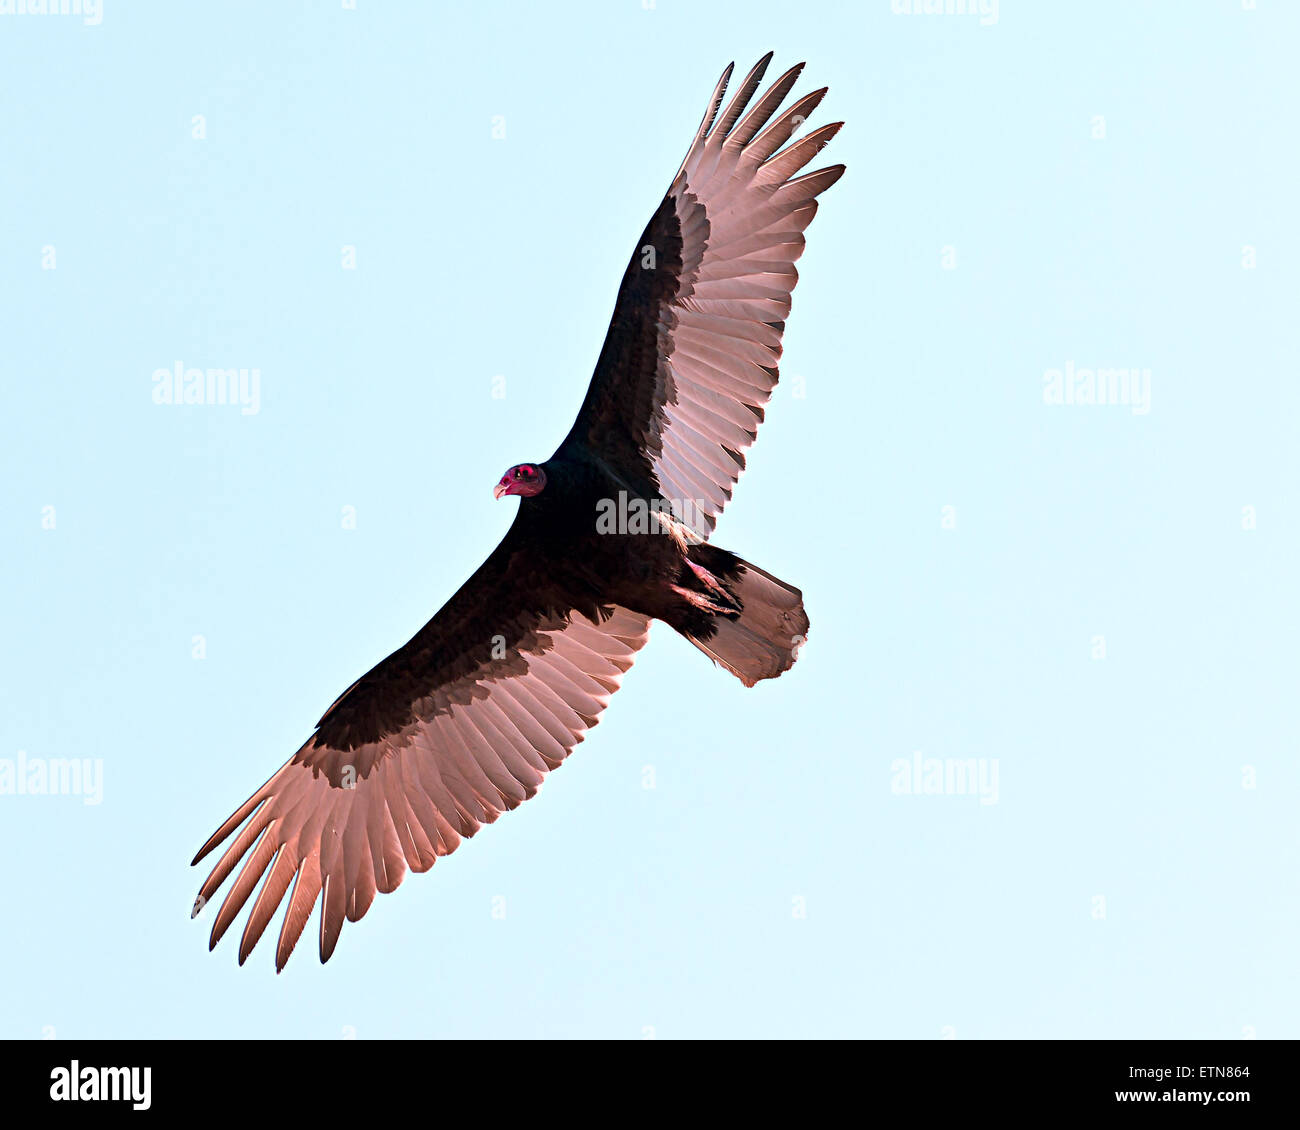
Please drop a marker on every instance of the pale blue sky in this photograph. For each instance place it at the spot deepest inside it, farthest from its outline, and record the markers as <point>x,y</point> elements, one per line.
<point>774,881</point>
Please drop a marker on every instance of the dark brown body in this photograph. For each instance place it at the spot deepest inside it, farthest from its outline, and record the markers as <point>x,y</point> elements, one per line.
<point>646,572</point>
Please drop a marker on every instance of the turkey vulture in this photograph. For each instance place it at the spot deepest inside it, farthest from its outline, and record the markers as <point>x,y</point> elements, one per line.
<point>465,720</point>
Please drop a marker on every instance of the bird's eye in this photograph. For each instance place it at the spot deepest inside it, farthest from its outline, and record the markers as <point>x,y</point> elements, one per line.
<point>518,473</point>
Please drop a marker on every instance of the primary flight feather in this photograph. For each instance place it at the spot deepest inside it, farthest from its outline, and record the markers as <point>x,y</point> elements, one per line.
<point>465,720</point>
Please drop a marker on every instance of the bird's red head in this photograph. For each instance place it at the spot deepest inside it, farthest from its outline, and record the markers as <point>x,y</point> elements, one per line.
<point>524,479</point>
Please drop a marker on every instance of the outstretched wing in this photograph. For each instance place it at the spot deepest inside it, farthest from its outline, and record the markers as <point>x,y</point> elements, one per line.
<point>455,727</point>
<point>692,350</point>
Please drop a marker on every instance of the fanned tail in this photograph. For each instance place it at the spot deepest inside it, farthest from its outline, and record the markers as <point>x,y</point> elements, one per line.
<point>758,622</point>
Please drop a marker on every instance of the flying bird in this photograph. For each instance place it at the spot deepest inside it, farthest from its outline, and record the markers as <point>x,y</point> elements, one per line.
<point>464,721</point>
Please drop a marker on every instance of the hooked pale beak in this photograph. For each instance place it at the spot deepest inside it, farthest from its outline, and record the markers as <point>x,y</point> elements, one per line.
<point>500,488</point>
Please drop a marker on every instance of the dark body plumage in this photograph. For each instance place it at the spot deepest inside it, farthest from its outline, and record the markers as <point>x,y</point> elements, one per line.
<point>463,721</point>
<point>551,561</point>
